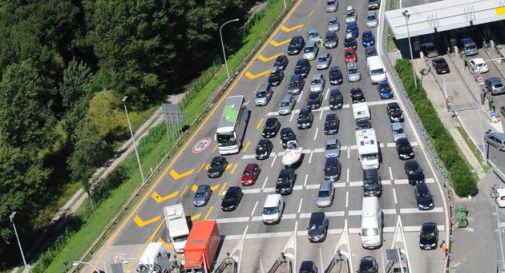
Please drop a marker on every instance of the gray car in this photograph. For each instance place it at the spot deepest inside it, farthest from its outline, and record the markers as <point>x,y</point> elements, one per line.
<point>287,104</point>
<point>313,35</point>
<point>333,24</point>
<point>353,72</point>
<point>202,196</point>
<point>332,148</point>
<point>397,131</point>
<point>350,14</point>
<point>331,5</point>
<point>323,61</point>
<point>317,83</point>
<point>496,139</point>
<point>325,194</point>
<point>371,19</point>
<point>310,51</point>
<point>263,95</point>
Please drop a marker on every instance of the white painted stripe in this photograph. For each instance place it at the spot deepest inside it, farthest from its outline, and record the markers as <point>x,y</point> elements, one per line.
<point>318,150</point>
<point>321,115</point>
<point>389,211</point>
<point>340,213</point>
<point>346,106</point>
<point>299,97</point>
<point>327,93</point>
<point>232,220</point>
<point>347,199</point>
<point>390,173</point>
<point>416,210</point>
<point>310,158</point>
<point>315,135</point>
<point>380,102</point>
<point>343,148</point>
<point>312,187</point>
<point>273,161</point>
<point>300,205</point>
<point>264,183</point>
<point>348,173</point>
<point>271,189</point>
<point>250,191</point>
<point>354,212</point>
<point>338,185</point>
<point>305,181</point>
<point>254,208</point>
<point>305,215</point>
<point>292,116</point>
<point>394,196</point>
<point>354,230</point>
<point>356,184</point>
<point>298,188</point>
<point>389,145</point>
<point>248,156</point>
<point>289,216</point>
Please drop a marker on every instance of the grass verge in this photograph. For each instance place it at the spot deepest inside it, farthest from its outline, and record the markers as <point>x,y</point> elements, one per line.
<point>474,150</point>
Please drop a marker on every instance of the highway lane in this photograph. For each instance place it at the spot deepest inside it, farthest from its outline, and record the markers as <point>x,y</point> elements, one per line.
<point>173,188</point>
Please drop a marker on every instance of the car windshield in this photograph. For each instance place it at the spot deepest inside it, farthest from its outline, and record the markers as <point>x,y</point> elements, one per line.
<point>180,238</point>
<point>309,49</point>
<point>369,156</point>
<point>322,59</point>
<point>323,194</point>
<point>315,227</point>
<point>293,84</point>
<point>371,17</point>
<point>313,35</point>
<point>470,47</point>
<point>353,70</point>
<point>315,81</point>
<point>200,194</point>
<point>261,148</point>
<point>395,110</point>
<point>332,22</point>
<point>424,196</point>
<point>284,103</point>
<point>229,197</point>
<point>331,146</point>
<point>271,210</point>
<point>378,71</point>
<point>331,3</point>
<point>330,168</point>
<point>225,139</point>
<point>498,85</point>
<point>261,94</point>
<point>370,232</point>
<point>349,54</point>
<point>428,234</point>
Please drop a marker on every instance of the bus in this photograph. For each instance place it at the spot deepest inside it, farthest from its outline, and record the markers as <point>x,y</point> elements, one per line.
<point>232,125</point>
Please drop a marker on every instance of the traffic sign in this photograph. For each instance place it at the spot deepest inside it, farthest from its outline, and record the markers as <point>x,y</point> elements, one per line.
<point>450,99</point>
<point>201,145</point>
<point>480,79</point>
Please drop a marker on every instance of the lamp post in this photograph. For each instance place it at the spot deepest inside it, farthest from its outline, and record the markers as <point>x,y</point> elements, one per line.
<point>406,15</point>
<point>133,139</point>
<point>11,218</point>
<point>222,44</point>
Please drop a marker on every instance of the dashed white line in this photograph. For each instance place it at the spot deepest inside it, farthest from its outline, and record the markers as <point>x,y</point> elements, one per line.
<point>390,173</point>
<point>292,115</point>
<point>394,196</point>
<point>273,161</point>
<point>305,182</point>
<point>321,115</point>
<point>348,152</point>
<point>264,183</point>
<point>347,199</point>
<point>254,208</point>
<point>327,93</point>
<point>300,205</point>
<point>348,173</point>
<point>317,131</point>
<point>299,97</point>
<point>310,158</point>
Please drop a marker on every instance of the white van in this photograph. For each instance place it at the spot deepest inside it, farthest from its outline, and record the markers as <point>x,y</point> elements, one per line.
<point>371,223</point>
<point>272,209</point>
<point>376,69</point>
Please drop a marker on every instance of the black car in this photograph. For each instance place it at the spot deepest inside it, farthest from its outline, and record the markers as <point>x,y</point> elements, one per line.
<point>217,167</point>
<point>372,183</point>
<point>331,40</point>
<point>395,113</point>
<point>414,172</point>
<point>350,42</point>
<point>440,65</point>
<point>318,227</point>
<point>332,169</point>
<point>302,67</point>
<point>231,198</point>
<point>315,100</point>
<point>281,62</point>
<point>428,239</point>
<point>363,123</point>
<point>287,134</point>
<point>285,181</point>
<point>296,45</point>
<point>357,95</point>
<point>336,99</point>
<point>308,267</point>
<point>264,149</point>
<point>296,84</point>
<point>371,51</point>
<point>272,126</point>
<point>423,197</point>
<point>305,118</point>
<point>276,77</point>
<point>336,76</point>
<point>368,264</point>
<point>331,124</point>
<point>404,149</point>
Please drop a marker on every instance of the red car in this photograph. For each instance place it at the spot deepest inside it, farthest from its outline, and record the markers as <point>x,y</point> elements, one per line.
<point>350,55</point>
<point>250,174</point>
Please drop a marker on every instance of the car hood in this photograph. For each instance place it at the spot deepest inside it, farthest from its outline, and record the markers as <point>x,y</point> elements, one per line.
<point>227,203</point>
<point>316,232</point>
<point>425,240</point>
<point>213,169</point>
<point>247,177</point>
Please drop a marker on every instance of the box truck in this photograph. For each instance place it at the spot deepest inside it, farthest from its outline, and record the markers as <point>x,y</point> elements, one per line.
<point>202,246</point>
<point>177,224</point>
<point>154,259</point>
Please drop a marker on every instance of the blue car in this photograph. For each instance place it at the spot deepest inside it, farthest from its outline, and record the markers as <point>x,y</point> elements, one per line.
<point>368,39</point>
<point>385,91</point>
<point>352,28</point>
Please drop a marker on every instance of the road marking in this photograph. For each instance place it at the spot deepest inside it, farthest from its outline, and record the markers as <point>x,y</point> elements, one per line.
<point>317,131</point>
<point>201,167</point>
<point>196,216</point>
<point>348,173</point>
<point>208,212</point>
<point>232,220</point>
<point>264,183</point>
<point>228,166</point>
<point>346,199</point>
<point>256,88</point>
<point>348,152</point>
<point>310,13</point>
<point>310,158</point>
<point>390,173</point>
<point>234,168</point>
<point>244,150</point>
<point>215,187</point>
<point>273,161</point>
<point>268,59</point>
<point>194,187</point>
<point>222,188</point>
<point>254,208</point>
<point>141,223</point>
<point>305,182</point>
<point>184,191</point>
<point>258,125</point>
<point>394,196</point>
<point>252,76</point>
<point>299,97</point>
<point>250,191</point>
<point>321,115</point>
<point>287,29</point>
<point>327,93</point>
<point>292,115</point>
<point>416,210</point>
<point>275,43</point>
<point>160,199</point>
<point>214,149</point>
<point>167,246</point>
<point>318,2</point>
<point>300,205</point>
<point>175,175</point>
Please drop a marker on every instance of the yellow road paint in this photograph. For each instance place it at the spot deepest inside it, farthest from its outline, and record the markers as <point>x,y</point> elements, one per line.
<point>160,199</point>
<point>150,239</point>
<point>500,11</point>
<point>222,188</point>
<point>194,188</point>
<point>268,59</point>
<point>234,168</point>
<point>141,223</point>
<point>287,29</point>
<point>229,166</point>
<point>258,125</point>
<point>318,2</point>
<point>208,213</point>
<point>310,13</point>
<point>168,246</point>
<point>201,167</point>
<point>184,191</point>
<point>175,175</point>
<point>196,216</point>
<point>246,146</point>
<point>275,43</point>
<point>215,187</point>
<point>214,149</point>
<point>257,87</point>
<point>255,76</point>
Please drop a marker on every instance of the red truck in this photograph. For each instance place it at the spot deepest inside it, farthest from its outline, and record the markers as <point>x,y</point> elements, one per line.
<point>203,241</point>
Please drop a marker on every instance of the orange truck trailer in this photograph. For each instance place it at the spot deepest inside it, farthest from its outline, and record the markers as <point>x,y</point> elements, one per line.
<point>202,246</point>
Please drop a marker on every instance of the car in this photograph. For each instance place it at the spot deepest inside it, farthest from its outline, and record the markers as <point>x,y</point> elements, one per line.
<point>276,77</point>
<point>313,35</point>
<point>368,264</point>
<point>395,113</point>
<point>374,4</point>
<point>250,174</point>
<point>325,194</point>
<point>477,65</point>
<point>308,267</point>
<point>271,127</point>
<point>202,195</point>
<point>350,14</point>
<point>323,61</point>
<point>372,183</point>
<point>357,95</point>
<point>331,5</point>
<point>317,83</point>
<point>352,28</point>
<point>384,89</point>
<point>330,40</point>
<point>305,118</point>
<point>263,149</point>
<point>336,99</point>
<point>414,172</point>
<point>404,149</point>
<point>440,65</point>
<point>423,197</point>
<point>315,100</point>
<point>428,237</point>
<point>468,47</point>
<point>332,148</point>
<point>368,38</point>
<point>286,105</point>
<point>429,50</point>
<point>263,96</point>
<point>371,51</point>
<point>397,131</point>
<point>350,41</point>
<point>331,124</point>
<point>217,167</point>
<point>231,198</point>
<point>363,123</point>
<point>332,169</point>
<point>296,45</point>
<point>296,84</point>
<point>495,139</point>
<point>310,51</point>
<point>318,227</point>
<point>285,181</point>
<point>371,19</point>
<point>287,135</point>
<point>494,85</point>
<point>353,73</point>
<point>335,75</point>
<point>333,24</point>
<point>281,62</point>
<point>302,67</point>
<point>350,55</point>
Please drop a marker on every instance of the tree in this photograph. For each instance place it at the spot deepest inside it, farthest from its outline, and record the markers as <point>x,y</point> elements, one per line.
<point>105,114</point>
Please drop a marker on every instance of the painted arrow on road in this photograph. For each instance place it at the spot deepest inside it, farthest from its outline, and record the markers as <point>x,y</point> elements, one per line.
<point>175,175</point>
<point>196,216</point>
<point>275,43</point>
<point>255,76</point>
<point>141,223</point>
<point>160,199</point>
<point>268,59</point>
<point>287,29</point>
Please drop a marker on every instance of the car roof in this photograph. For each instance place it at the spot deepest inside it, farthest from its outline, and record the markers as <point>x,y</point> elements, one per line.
<point>271,120</point>
<point>287,130</point>
<point>233,190</point>
<point>312,30</point>
<point>351,24</point>
<point>281,58</point>
<point>250,167</point>
<point>467,40</point>
<point>396,125</point>
<point>325,185</point>
<point>335,92</point>
<point>296,77</point>
<point>331,117</point>
<point>314,94</point>
<point>286,171</point>
<point>317,76</point>
<point>477,60</point>
<point>287,97</point>
<point>317,217</point>
<point>370,173</point>
<point>331,161</point>
<point>356,89</point>
<point>323,54</point>
<point>310,44</point>
<point>367,32</point>
<point>351,65</point>
<point>305,110</point>
<point>335,68</point>
<point>402,140</point>
<point>202,188</point>
<point>412,164</point>
<point>332,18</point>
<point>330,141</point>
<point>217,158</point>
<point>429,226</point>
<point>263,141</point>
<point>422,188</point>
<point>349,7</point>
<point>494,80</point>
<point>393,105</point>
<point>306,265</point>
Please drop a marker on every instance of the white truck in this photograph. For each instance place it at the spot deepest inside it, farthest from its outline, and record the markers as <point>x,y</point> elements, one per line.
<point>178,229</point>
<point>154,259</point>
<point>368,149</point>
<point>361,114</point>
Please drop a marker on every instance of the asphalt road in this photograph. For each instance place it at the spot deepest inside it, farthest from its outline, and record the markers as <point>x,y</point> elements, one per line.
<point>264,243</point>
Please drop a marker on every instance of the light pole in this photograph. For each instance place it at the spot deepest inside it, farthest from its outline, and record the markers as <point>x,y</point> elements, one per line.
<point>133,139</point>
<point>222,44</point>
<point>11,218</point>
<point>406,15</point>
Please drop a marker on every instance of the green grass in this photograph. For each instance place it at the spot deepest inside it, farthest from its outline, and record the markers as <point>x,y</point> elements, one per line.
<point>391,41</point>
<point>474,150</point>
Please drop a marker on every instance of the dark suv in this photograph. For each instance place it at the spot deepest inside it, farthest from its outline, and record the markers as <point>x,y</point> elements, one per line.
<point>302,67</point>
<point>336,99</point>
<point>428,239</point>
<point>318,227</point>
<point>315,100</point>
<point>296,84</point>
<point>272,126</point>
<point>276,77</point>
<point>414,172</point>
<point>287,134</point>
<point>305,118</point>
<point>331,124</point>
<point>285,181</point>
<point>395,113</point>
<point>372,183</point>
<point>423,197</point>
<point>281,62</point>
<point>336,75</point>
<point>296,45</point>
<point>332,169</point>
<point>404,149</point>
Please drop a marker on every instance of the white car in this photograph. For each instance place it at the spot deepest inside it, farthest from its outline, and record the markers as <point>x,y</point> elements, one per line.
<point>310,51</point>
<point>350,14</point>
<point>478,65</point>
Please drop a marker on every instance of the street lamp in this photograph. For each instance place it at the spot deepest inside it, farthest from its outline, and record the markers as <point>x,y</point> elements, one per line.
<point>222,44</point>
<point>11,218</point>
<point>133,139</point>
<point>406,15</point>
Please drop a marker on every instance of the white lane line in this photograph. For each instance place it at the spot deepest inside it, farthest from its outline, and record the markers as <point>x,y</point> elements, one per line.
<point>394,196</point>
<point>292,115</point>
<point>317,131</point>
<point>248,156</point>
<point>389,211</point>
<point>327,93</point>
<point>299,97</point>
<point>318,150</point>
<point>356,184</point>
<point>232,220</point>
<point>273,161</point>
<point>298,188</point>
<point>306,215</point>
<point>348,152</point>
<point>264,183</point>
<point>312,187</point>
<point>416,210</point>
<point>347,199</point>
<point>321,115</point>
<point>305,182</point>
<point>249,191</point>
<point>310,158</point>
<point>300,205</point>
<point>348,173</point>
<point>390,173</point>
<point>254,208</point>
<point>381,102</point>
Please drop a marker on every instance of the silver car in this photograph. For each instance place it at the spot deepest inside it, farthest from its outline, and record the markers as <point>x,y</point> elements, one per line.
<point>371,19</point>
<point>332,148</point>
<point>317,83</point>
<point>353,72</point>
<point>331,5</point>
<point>333,24</point>
<point>496,139</point>
<point>263,95</point>
<point>397,131</point>
<point>310,51</point>
<point>350,14</point>
<point>202,195</point>
<point>325,194</point>
<point>323,61</point>
<point>287,104</point>
<point>313,35</point>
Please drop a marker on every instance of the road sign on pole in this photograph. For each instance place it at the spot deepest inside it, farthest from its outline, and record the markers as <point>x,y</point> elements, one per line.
<point>450,99</point>
<point>480,79</point>
<point>172,112</point>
